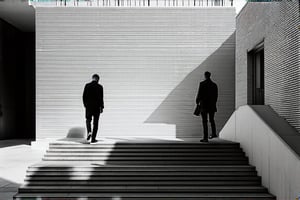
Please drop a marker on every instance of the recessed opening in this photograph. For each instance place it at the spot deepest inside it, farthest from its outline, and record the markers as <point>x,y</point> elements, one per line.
<point>256,80</point>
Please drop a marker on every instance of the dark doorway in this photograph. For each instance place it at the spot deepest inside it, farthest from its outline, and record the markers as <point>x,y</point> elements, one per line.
<point>256,73</point>
<point>17,83</point>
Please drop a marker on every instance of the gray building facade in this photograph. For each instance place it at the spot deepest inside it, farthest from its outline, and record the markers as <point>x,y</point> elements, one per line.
<point>271,31</point>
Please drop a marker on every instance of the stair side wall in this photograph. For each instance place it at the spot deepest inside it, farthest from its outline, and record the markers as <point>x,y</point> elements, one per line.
<point>276,162</point>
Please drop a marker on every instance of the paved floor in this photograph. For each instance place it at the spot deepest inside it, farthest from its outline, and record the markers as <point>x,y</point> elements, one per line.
<point>15,157</point>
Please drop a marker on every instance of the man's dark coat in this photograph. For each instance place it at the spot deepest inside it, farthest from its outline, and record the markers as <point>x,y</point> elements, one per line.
<point>93,96</point>
<point>207,96</point>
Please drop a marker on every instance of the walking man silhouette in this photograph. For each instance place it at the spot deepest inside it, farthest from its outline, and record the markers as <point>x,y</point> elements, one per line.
<point>94,105</point>
<point>207,98</point>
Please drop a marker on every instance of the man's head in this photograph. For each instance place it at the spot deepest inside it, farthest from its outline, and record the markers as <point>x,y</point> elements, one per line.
<point>96,77</point>
<point>207,75</point>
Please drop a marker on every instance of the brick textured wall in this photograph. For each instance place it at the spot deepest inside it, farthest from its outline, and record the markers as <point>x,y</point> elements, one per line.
<point>277,23</point>
<point>150,61</point>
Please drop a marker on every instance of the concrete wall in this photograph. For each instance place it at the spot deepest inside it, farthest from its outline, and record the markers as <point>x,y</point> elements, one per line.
<point>277,24</point>
<point>150,61</point>
<point>272,146</point>
<point>17,83</point>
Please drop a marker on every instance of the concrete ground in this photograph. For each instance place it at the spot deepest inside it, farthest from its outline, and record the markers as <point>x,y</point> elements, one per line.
<point>15,157</point>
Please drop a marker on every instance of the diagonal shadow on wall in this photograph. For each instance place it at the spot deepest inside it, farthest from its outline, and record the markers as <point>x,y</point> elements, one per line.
<point>179,105</point>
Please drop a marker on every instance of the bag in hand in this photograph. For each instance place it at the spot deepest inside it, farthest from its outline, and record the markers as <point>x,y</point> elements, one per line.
<point>197,110</point>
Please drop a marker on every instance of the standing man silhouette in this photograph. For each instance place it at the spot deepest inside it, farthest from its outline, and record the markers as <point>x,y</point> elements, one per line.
<point>207,97</point>
<point>94,105</point>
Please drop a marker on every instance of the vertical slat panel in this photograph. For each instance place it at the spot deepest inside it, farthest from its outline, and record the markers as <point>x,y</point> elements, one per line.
<point>150,61</point>
<point>131,3</point>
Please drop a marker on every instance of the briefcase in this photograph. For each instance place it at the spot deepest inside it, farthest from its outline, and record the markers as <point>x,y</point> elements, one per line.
<point>197,110</point>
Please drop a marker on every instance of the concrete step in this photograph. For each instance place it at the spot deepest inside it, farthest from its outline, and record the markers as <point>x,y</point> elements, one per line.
<point>183,178</point>
<point>124,150</point>
<point>143,146</point>
<point>140,189</point>
<point>143,171</point>
<point>144,174</point>
<point>150,158</point>
<point>148,196</point>
<point>118,161</point>
<point>110,168</point>
<point>142,154</point>
<point>231,182</point>
<point>145,149</point>
<point>155,143</point>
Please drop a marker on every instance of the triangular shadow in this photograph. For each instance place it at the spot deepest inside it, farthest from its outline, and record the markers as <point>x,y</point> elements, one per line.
<point>179,105</point>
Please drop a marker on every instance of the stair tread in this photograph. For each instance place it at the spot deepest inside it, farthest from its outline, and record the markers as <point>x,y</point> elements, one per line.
<point>144,146</point>
<point>122,171</point>
<point>141,182</point>
<point>109,178</point>
<point>151,157</point>
<point>151,162</point>
<point>154,187</point>
<point>110,154</point>
<point>156,143</point>
<point>147,195</point>
<point>143,174</point>
<point>149,143</point>
<point>139,189</point>
<point>149,150</point>
<point>140,147</point>
<point>165,157</point>
<point>137,169</point>
<point>166,170</point>
<point>74,165</point>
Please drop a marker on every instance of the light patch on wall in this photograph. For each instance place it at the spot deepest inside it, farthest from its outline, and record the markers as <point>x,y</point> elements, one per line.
<point>239,4</point>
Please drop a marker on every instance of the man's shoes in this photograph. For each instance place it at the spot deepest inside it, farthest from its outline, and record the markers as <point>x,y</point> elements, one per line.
<point>212,136</point>
<point>204,140</point>
<point>89,136</point>
<point>94,141</point>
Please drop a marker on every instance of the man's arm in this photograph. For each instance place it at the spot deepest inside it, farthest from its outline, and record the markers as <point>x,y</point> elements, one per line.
<point>102,98</point>
<point>198,95</point>
<point>216,93</point>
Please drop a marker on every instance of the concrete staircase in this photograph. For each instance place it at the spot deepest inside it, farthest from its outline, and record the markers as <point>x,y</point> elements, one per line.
<point>143,170</point>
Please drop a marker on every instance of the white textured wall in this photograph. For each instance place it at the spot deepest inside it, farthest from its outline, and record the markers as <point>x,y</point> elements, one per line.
<point>150,61</point>
<point>276,162</point>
